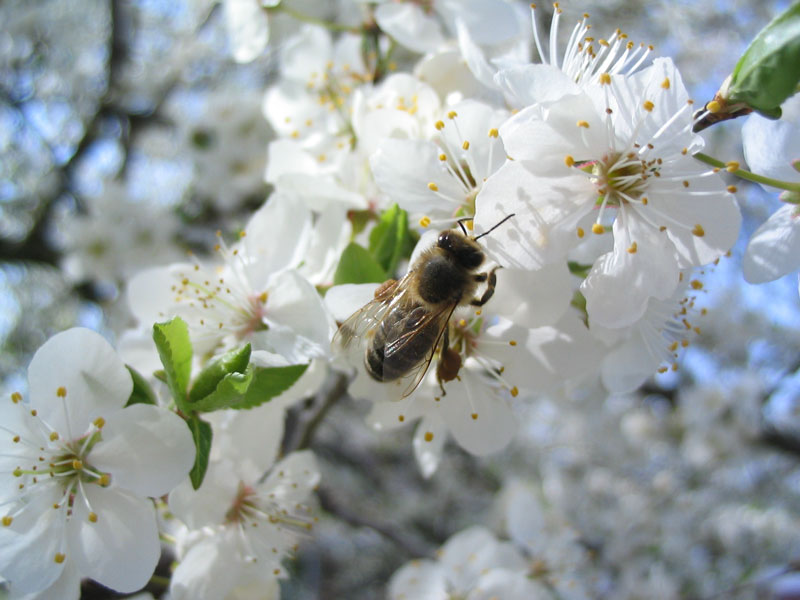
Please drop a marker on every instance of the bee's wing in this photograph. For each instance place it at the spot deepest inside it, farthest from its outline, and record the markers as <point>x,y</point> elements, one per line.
<point>433,324</point>
<point>355,334</point>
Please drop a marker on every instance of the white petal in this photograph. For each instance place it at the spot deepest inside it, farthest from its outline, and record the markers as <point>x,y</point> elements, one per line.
<point>248,28</point>
<point>29,545</point>
<point>429,439</point>
<point>705,202</point>
<point>480,421</point>
<point>533,298</point>
<point>276,237</point>
<point>546,212</point>
<point>471,552</point>
<point>388,415</point>
<point>87,366</point>
<point>423,579</point>
<point>300,326</point>
<point>121,549</point>
<point>404,168</point>
<point>620,282</point>
<point>770,145</point>
<point>66,587</point>
<point>250,435</point>
<point>344,300</point>
<point>408,24</point>
<point>208,505</point>
<point>150,293</point>
<point>489,22</point>
<point>147,449</point>
<point>544,357</point>
<point>209,570</point>
<point>509,585</point>
<point>774,249</point>
<point>627,367</point>
<point>293,479</point>
<point>531,84</point>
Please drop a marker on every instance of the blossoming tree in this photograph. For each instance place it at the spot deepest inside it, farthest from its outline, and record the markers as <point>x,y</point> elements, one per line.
<point>419,300</point>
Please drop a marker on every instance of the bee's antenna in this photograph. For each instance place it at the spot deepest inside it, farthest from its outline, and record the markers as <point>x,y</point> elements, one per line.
<point>477,237</point>
<point>461,223</point>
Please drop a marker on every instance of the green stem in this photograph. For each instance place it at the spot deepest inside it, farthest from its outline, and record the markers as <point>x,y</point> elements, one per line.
<point>314,20</point>
<point>743,174</point>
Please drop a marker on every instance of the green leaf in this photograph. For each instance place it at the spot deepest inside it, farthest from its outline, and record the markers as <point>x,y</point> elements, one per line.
<point>356,265</point>
<point>175,350</point>
<point>201,434</point>
<point>206,382</point>
<point>769,70</point>
<point>389,240</point>
<point>269,382</point>
<point>142,393</point>
<point>229,391</point>
<point>579,269</point>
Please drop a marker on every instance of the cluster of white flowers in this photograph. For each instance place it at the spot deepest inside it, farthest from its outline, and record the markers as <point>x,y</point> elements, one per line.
<point>574,174</point>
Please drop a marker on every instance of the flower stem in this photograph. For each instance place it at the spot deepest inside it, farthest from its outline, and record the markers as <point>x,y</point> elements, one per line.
<point>744,174</point>
<point>295,14</point>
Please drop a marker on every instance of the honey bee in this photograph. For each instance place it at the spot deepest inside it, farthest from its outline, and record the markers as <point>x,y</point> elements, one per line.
<point>400,330</point>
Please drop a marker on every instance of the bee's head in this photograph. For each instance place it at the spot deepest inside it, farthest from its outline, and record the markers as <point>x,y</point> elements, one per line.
<point>461,248</point>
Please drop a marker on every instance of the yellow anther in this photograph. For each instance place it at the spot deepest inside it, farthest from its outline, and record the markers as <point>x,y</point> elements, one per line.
<point>645,200</point>
<point>439,125</point>
<point>34,412</point>
<point>512,342</point>
<point>16,397</point>
<point>732,166</point>
<point>474,416</point>
<point>99,422</point>
<point>465,145</point>
<point>633,248</point>
<point>433,187</point>
<point>662,369</point>
<point>7,520</point>
<point>452,114</point>
<point>605,78</point>
<point>648,106</point>
<point>443,157</point>
<point>424,222</point>
<point>569,161</point>
<point>580,232</point>
<point>401,418</point>
<point>514,392</point>
<point>673,346</point>
<point>493,133</point>
<point>53,436</point>
<point>59,557</point>
<point>77,464</point>
<point>92,517</point>
<point>584,124</point>
<point>598,229</point>
<point>428,436</point>
<point>666,83</point>
<point>732,189</point>
<point>696,285</point>
<point>61,392</point>
<point>104,480</point>
<point>698,230</point>
<point>713,107</point>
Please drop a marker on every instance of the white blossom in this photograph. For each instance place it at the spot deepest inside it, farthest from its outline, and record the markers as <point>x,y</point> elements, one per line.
<point>78,468</point>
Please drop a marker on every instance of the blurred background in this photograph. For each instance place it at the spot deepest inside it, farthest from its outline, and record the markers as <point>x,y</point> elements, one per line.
<point>129,135</point>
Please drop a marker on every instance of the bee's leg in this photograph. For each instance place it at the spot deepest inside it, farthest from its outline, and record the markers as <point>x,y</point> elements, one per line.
<point>491,281</point>
<point>441,366</point>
